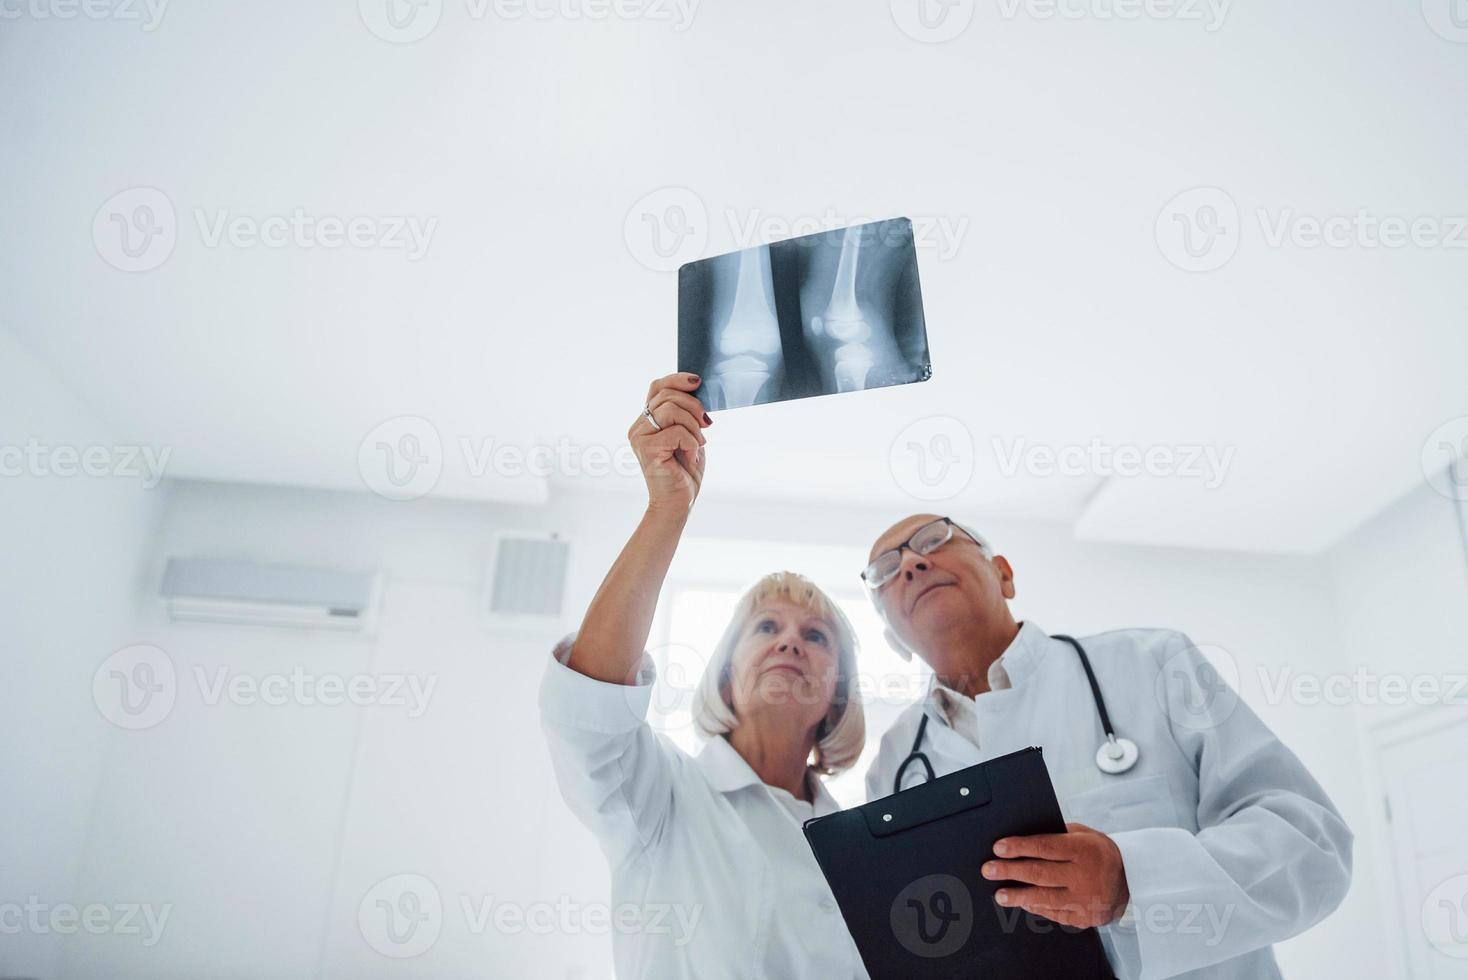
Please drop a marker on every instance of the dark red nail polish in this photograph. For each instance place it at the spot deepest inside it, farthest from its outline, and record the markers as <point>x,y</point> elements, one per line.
<point>707,420</point>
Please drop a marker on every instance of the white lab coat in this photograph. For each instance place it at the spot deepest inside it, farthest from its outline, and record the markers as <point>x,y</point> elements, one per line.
<point>700,845</point>
<point>1228,842</point>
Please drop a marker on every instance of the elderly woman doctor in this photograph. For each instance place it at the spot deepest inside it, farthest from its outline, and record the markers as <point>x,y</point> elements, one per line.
<point>716,839</point>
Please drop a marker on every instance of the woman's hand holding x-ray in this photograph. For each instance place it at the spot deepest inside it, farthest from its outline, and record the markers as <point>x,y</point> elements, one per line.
<point>671,456</point>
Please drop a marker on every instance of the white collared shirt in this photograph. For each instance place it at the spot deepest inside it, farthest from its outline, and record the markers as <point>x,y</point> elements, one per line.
<point>699,844</point>
<point>1229,844</point>
<point>958,709</point>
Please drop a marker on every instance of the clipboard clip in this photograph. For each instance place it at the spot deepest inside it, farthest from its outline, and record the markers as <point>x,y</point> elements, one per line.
<point>966,789</point>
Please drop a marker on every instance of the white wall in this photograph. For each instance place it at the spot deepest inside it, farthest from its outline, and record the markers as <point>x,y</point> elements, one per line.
<point>69,584</point>
<point>266,826</point>
<point>1401,582</point>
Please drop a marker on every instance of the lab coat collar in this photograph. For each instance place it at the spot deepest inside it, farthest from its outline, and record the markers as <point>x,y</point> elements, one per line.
<point>727,772</point>
<point>1013,665</point>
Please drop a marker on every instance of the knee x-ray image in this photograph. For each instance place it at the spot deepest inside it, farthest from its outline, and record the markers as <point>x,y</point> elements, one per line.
<point>836,311</point>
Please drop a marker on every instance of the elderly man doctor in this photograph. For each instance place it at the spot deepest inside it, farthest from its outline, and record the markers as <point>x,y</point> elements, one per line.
<point>1205,841</point>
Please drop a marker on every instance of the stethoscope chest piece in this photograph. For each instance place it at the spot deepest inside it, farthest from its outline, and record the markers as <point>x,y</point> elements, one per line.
<point>1116,755</point>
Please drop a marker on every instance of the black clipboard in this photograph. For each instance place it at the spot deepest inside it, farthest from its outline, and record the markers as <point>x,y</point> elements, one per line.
<point>905,871</point>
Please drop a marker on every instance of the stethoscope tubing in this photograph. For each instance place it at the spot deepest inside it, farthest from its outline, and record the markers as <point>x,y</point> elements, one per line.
<point>1116,755</point>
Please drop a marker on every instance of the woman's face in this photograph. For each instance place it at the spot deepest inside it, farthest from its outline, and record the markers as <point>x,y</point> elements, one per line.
<point>784,660</point>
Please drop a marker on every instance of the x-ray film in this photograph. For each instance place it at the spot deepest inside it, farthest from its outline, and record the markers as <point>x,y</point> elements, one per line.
<point>836,311</point>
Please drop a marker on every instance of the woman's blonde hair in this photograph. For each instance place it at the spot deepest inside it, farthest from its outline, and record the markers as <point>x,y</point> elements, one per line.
<point>838,744</point>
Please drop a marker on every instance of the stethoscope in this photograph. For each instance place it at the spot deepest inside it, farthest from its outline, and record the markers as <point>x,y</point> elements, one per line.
<point>1115,756</point>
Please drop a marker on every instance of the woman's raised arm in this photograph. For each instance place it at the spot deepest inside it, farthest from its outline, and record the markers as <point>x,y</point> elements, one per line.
<point>614,631</point>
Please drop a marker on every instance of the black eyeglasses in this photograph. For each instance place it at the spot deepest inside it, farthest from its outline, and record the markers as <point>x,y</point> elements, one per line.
<point>924,541</point>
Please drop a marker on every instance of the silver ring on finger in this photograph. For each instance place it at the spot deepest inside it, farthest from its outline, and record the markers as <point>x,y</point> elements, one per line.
<point>647,414</point>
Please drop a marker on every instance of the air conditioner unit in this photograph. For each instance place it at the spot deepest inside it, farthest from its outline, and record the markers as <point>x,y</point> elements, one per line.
<point>527,579</point>
<point>216,590</point>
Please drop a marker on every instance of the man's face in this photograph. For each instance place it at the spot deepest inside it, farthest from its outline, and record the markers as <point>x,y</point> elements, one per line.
<point>936,597</point>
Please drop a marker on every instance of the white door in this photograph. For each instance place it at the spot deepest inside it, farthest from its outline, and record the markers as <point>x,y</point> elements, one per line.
<point>1424,770</point>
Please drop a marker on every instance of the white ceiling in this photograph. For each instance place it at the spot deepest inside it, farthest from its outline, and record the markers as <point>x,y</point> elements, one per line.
<point>1053,144</point>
